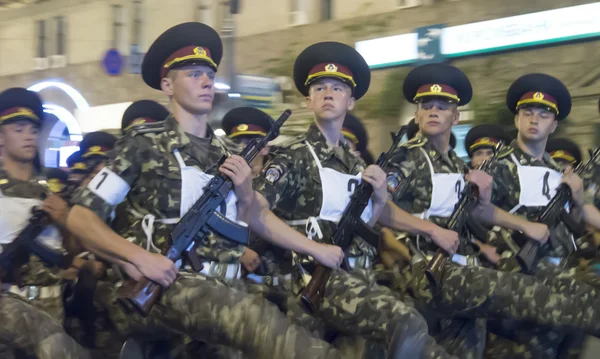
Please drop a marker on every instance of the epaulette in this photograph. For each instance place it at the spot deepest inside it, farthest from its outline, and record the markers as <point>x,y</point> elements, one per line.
<point>414,143</point>
<point>292,141</point>
<point>147,128</point>
<point>505,151</point>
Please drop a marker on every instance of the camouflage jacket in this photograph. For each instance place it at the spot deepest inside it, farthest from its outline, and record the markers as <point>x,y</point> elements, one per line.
<point>34,272</point>
<point>144,160</point>
<point>410,182</point>
<point>291,182</point>
<point>506,192</point>
<point>591,182</point>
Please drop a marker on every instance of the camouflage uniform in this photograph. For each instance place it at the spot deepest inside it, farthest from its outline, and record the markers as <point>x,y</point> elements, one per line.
<point>292,185</point>
<point>202,307</point>
<point>474,291</point>
<point>33,325</point>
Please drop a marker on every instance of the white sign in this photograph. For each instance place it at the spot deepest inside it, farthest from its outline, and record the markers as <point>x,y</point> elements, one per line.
<point>389,51</point>
<point>97,118</point>
<point>571,23</point>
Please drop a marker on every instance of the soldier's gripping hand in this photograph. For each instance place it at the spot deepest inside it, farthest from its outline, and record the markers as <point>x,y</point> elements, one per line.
<point>236,168</point>
<point>250,260</point>
<point>445,239</point>
<point>157,268</point>
<point>57,208</point>
<point>484,184</point>
<point>328,255</point>
<point>375,176</point>
<point>576,184</point>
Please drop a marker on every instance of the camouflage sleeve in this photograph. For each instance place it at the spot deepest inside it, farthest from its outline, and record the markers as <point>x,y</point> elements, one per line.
<point>110,186</point>
<point>590,185</point>
<point>399,172</point>
<point>278,180</point>
<point>501,179</point>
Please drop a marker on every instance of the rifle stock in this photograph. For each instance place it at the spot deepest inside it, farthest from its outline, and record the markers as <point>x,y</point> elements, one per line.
<point>350,224</point>
<point>203,217</point>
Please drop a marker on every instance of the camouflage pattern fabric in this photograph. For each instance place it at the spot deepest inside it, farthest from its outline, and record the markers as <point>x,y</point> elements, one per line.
<point>481,292</point>
<point>34,332</point>
<point>591,182</point>
<point>291,183</point>
<point>146,162</point>
<point>506,191</point>
<point>211,311</point>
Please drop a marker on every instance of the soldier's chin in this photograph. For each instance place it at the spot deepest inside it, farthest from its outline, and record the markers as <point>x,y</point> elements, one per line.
<point>202,109</point>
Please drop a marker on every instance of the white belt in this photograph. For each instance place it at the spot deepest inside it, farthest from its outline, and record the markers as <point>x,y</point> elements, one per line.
<point>268,280</point>
<point>31,292</point>
<point>311,226</point>
<point>224,271</point>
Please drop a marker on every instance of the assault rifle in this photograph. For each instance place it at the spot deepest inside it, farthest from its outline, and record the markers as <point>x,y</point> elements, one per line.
<point>457,221</point>
<point>203,218</point>
<point>551,216</point>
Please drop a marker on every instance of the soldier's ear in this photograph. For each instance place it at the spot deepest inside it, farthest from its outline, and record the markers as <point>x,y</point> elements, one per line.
<point>554,126</point>
<point>351,104</point>
<point>1,136</point>
<point>166,85</point>
<point>308,103</point>
<point>517,120</point>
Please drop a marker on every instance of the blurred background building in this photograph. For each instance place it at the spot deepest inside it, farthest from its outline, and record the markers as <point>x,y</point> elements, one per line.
<point>84,56</point>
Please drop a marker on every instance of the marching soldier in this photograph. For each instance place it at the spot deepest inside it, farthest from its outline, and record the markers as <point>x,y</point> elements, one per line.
<point>162,173</point>
<point>432,191</point>
<point>481,141</point>
<point>564,151</point>
<point>142,113</point>
<point>31,308</point>
<point>243,124</point>
<point>78,170</point>
<point>308,184</point>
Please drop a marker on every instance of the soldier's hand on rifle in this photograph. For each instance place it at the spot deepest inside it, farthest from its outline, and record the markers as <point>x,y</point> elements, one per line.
<point>250,260</point>
<point>576,184</point>
<point>57,209</point>
<point>375,176</point>
<point>537,231</point>
<point>328,255</point>
<point>489,252</point>
<point>445,239</point>
<point>236,168</point>
<point>484,184</point>
<point>157,268</point>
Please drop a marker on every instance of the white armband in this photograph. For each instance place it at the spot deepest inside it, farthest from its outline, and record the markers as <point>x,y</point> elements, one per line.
<point>109,186</point>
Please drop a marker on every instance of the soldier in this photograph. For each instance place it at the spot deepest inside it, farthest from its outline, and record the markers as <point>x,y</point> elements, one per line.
<point>243,124</point>
<point>162,173</point>
<point>413,130</point>
<point>481,141</point>
<point>564,151</point>
<point>56,180</point>
<point>78,170</point>
<point>430,177</point>
<point>142,113</point>
<point>94,148</point>
<point>31,311</point>
<point>312,173</point>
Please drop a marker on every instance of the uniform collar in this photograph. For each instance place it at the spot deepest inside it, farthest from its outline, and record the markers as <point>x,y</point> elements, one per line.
<point>527,159</point>
<point>436,155</point>
<point>178,139</point>
<point>325,151</point>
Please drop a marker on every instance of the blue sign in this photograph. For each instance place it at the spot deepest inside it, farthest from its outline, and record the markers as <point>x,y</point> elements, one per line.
<point>429,44</point>
<point>113,62</point>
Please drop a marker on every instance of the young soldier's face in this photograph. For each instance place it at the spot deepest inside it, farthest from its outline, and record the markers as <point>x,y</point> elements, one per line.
<point>329,99</point>
<point>436,117</point>
<point>535,124</point>
<point>481,155</point>
<point>192,87</point>
<point>19,140</point>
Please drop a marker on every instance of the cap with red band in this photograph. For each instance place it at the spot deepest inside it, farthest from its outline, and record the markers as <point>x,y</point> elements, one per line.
<point>437,81</point>
<point>539,90</point>
<point>246,122</point>
<point>20,104</point>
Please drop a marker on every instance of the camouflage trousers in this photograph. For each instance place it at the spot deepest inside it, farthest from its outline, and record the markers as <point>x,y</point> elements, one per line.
<point>33,331</point>
<point>209,310</point>
<point>481,292</point>
<point>358,308</point>
<point>513,339</point>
